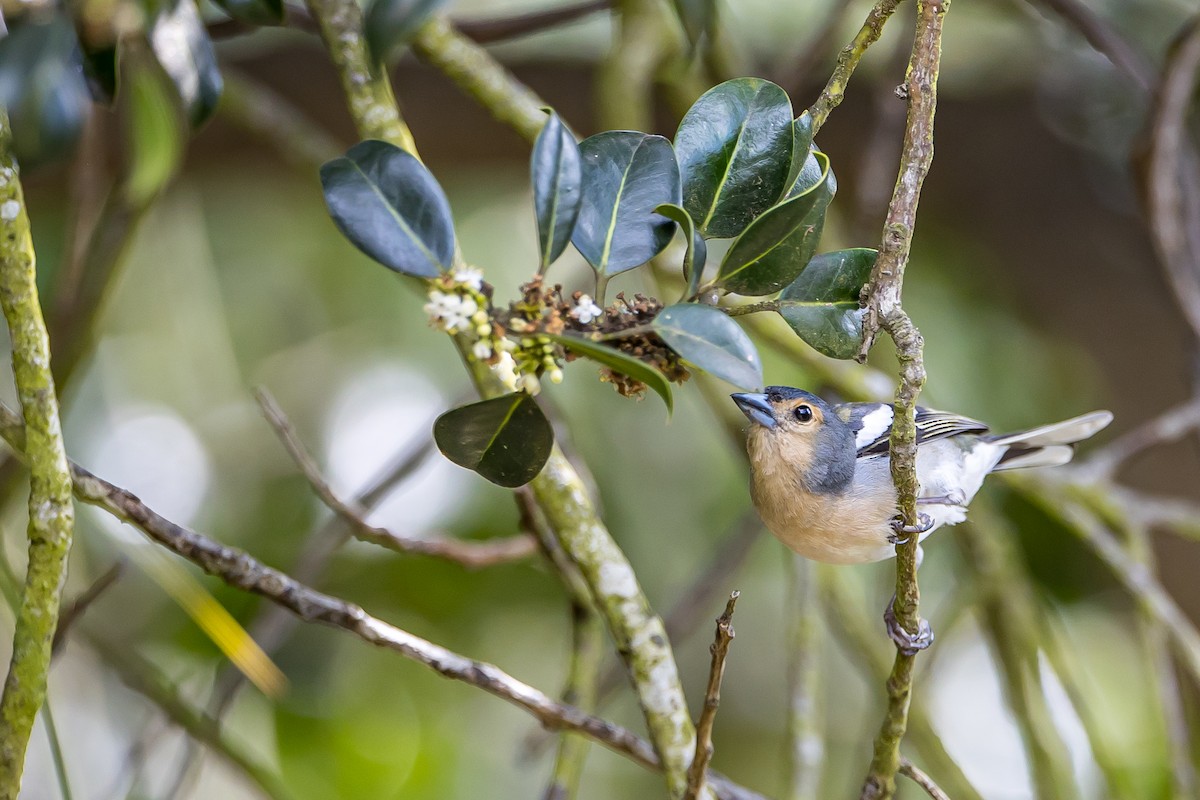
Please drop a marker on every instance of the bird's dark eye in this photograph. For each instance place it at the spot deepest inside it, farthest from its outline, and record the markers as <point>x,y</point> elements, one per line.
<point>803,413</point>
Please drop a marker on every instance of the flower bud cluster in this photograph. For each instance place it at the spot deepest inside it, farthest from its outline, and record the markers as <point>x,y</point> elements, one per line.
<point>458,304</point>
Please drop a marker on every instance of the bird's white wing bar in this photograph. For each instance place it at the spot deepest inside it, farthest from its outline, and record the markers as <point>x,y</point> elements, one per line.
<point>876,425</point>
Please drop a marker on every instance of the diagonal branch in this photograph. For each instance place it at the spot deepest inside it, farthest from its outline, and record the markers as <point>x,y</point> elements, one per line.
<point>696,777</point>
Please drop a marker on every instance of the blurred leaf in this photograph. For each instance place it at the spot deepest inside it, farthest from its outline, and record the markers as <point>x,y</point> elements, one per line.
<point>618,361</point>
<point>708,339</point>
<point>154,123</point>
<point>697,250</point>
<point>506,439</point>
<point>822,307</point>
<point>735,149</point>
<point>556,175</point>
<point>697,17</point>
<point>626,175</point>
<point>253,12</point>
<point>181,43</point>
<point>40,84</point>
<point>802,145</point>
<point>389,205</point>
<point>390,24</point>
<point>773,250</point>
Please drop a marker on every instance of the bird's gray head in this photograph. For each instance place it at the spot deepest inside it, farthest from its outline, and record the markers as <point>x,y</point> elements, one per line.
<point>802,429</point>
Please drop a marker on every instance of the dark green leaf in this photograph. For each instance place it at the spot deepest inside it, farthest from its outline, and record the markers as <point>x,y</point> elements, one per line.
<point>822,306</point>
<point>802,145</point>
<point>735,148</point>
<point>389,24</point>
<point>154,122</point>
<point>618,361</point>
<point>697,250</point>
<point>253,12</point>
<point>626,175</point>
<point>181,43</point>
<point>697,17</point>
<point>389,205</point>
<point>811,173</point>
<point>506,439</point>
<point>556,175</point>
<point>773,250</point>
<point>708,339</point>
<point>40,86</point>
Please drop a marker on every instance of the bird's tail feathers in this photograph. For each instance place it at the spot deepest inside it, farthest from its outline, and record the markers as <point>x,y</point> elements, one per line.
<point>1068,431</point>
<point>1048,445</point>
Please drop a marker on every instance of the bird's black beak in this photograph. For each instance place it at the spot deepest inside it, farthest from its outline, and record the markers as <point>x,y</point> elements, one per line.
<point>756,407</point>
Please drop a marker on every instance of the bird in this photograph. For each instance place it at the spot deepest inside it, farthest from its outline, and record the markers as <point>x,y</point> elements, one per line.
<point>821,475</point>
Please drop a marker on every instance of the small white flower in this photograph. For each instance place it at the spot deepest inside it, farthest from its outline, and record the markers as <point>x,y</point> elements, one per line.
<point>468,276</point>
<point>506,370</point>
<point>586,310</point>
<point>482,350</point>
<point>528,382</point>
<point>555,375</point>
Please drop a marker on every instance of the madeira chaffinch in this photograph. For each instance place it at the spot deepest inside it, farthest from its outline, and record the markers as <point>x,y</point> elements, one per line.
<point>821,478</point>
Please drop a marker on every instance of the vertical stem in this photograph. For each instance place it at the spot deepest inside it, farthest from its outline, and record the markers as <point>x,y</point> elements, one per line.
<point>806,746</point>
<point>882,299</point>
<point>51,513</point>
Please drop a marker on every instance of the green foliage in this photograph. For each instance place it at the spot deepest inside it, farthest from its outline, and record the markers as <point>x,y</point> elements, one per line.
<point>556,175</point>
<point>41,87</point>
<point>708,339</point>
<point>618,361</point>
<point>697,17</point>
<point>734,147</point>
<point>802,143</point>
<point>697,250</point>
<point>506,439</point>
<point>154,124</point>
<point>391,24</point>
<point>390,206</point>
<point>774,249</point>
<point>626,175</point>
<point>822,306</point>
<point>253,12</point>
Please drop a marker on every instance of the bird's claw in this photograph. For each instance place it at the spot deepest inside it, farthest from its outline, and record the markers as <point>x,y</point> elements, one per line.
<point>908,643</point>
<point>902,533</point>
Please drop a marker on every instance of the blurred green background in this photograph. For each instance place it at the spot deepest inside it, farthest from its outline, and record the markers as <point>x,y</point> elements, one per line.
<point>1032,281</point>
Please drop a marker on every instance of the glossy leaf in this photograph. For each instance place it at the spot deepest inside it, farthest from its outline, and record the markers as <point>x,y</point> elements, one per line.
<point>697,249</point>
<point>40,85</point>
<point>626,175</point>
<point>697,18</point>
<point>180,41</point>
<point>773,250</point>
<point>618,361</point>
<point>253,12</point>
<point>822,306</point>
<point>816,168</point>
<point>802,145</point>
<point>556,175</point>
<point>389,205</point>
<point>506,439</point>
<point>390,24</point>
<point>735,149</point>
<point>708,339</point>
<point>154,123</point>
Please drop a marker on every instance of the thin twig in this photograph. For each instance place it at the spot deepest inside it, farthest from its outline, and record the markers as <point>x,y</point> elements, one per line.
<point>500,29</point>
<point>795,74</point>
<point>712,700</point>
<point>472,555</point>
<point>914,773</point>
<point>83,602</point>
<point>242,571</point>
<point>1103,39</point>
<point>835,89</point>
<point>51,511</point>
<point>882,299</point>
<point>1169,426</point>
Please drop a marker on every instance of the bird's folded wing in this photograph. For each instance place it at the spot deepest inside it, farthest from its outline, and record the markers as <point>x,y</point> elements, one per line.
<point>872,425</point>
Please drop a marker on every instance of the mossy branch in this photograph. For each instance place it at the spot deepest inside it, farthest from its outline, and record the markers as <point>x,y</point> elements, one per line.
<point>882,299</point>
<point>847,61</point>
<point>51,512</point>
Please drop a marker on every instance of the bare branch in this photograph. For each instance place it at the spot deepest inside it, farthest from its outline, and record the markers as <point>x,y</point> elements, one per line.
<point>835,89</point>
<point>914,773</point>
<point>806,745</point>
<point>499,29</point>
<point>712,699</point>
<point>1170,426</point>
<point>472,555</point>
<point>1103,39</point>
<point>82,603</point>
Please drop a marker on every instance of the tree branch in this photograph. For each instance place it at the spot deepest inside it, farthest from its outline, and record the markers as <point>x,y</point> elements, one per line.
<point>712,700</point>
<point>882,299</point>
<point>806,745</point>
<point>51,512</point>
<point>499,29</point>
<point>472,555</point>
<point>914,773</point>
<point>831,96</point>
